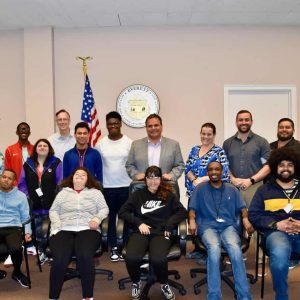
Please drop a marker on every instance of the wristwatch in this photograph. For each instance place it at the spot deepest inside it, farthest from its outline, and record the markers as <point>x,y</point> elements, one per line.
<point>252,180</point>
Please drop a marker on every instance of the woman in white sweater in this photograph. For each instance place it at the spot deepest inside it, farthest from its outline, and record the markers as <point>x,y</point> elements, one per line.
<point>75,216</point>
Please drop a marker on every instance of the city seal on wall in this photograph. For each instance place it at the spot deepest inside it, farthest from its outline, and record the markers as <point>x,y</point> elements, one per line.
<point>135,103</point>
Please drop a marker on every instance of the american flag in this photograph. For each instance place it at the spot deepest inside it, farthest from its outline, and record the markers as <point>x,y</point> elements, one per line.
<point>89,113</point>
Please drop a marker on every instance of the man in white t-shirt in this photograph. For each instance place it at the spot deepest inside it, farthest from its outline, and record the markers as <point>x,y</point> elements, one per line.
<point>114,149</point>
<point>63,140</point>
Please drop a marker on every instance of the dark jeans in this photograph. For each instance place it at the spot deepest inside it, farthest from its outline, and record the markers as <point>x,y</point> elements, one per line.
<point>12,236</point>
<point>158,247</point>
<point>64,245</point>
<point>115,198</point>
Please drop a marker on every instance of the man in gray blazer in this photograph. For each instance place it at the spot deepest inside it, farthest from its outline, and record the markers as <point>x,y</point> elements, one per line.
<point>155,150</point>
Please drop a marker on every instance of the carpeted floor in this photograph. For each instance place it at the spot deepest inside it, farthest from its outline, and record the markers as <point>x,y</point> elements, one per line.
<point>108,290</point>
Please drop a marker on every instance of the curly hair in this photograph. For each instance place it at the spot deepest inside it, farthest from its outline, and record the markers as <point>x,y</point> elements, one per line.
<point>278,155</point>
<point>91,181</point>
<point>164,188</point>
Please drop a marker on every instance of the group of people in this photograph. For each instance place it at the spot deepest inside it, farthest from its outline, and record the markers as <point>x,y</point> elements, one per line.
<point>221,183</point>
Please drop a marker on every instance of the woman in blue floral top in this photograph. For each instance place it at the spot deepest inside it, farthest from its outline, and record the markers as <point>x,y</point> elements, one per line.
<point>201,155</point>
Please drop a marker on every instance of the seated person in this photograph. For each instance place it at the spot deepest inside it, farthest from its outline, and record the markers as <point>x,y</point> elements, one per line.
<point>152,212</point>
<point>215,205</point>
<point>275,210</point>
<point>75,216</point>
<point>14,210</point>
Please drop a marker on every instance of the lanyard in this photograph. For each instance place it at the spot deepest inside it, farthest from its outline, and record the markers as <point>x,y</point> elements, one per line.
<point>294,195</point>
<point>81,157</point>
<point>217,208</point>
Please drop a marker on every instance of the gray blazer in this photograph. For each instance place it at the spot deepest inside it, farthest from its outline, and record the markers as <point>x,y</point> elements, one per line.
<point>171,160</point>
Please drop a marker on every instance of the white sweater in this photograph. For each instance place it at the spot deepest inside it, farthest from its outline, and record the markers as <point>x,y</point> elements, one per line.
<point>75,210</point>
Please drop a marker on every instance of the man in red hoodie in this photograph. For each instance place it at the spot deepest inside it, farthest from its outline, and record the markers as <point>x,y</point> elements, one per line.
<point>16,155</point>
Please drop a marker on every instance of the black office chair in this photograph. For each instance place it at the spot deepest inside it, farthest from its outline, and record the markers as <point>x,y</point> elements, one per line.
<point>177,249</point>
<point>73,272</point>
<point>4,253</point>
<point>225,274</point>
<point>261,244</point>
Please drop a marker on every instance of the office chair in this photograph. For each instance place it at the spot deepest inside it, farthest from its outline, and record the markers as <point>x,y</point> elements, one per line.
<point>225,274</point>
<point>261,244</point>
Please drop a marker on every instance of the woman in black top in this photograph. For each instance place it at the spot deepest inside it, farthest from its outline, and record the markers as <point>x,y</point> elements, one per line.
<point>152,212</point>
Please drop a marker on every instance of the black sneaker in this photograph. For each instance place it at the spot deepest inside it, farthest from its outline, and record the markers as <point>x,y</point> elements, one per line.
<point>114,256</point>
<point>168,293</point>
<point>121,257</point>
<point>21,279</point>
<point>136,290</point>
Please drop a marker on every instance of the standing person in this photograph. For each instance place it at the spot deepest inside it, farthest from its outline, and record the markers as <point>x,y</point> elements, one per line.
<point>198,160</point>
<point>275,210</point>
<point>153,212</point>
<point>14,211</point>
<point>213,210</point>
<point>247,153</point>
<point>75,216</point>
<point>63,140</point>
<point>155,150</point>
<point>40,176</point>
<point>114,149</point>
<point>17,154</point>
<point>82,155</point>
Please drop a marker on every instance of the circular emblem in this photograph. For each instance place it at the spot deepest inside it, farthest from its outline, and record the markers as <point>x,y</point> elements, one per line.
<point>135,103</point>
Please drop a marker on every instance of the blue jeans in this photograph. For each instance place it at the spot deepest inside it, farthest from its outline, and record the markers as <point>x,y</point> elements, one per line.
<point>280,246</point>
<point>229,239</point>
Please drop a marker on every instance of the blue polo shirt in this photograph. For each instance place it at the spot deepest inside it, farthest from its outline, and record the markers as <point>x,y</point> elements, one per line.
<point>210,203</point>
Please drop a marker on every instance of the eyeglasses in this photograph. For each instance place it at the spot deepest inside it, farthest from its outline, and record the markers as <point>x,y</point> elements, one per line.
<point>153,178</point>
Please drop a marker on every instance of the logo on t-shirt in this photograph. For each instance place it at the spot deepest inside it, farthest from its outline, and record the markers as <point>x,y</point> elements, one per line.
<point>150,206</point>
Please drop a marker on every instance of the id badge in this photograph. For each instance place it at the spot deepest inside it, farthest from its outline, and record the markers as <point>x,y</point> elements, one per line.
<point>39,192</point>
<point>288,208</point>
<point>220,220</point>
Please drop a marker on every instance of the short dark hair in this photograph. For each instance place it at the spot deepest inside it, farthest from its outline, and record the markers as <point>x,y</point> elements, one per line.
<point>244,111</point>
<point>11,171</point>
<point>34,155</point>
<point>91,180</point>
<point>278,155</point>
<point>113,115</point>
<point>82,125</point>
<point>210,125</point>
<point>286,120</point>
<point>22,123</point>
<point>62,111</point>
<point>215,161</point>
<point>154,116</point>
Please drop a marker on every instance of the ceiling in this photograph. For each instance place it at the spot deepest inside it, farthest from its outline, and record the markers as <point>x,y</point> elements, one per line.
<point>18,14</point>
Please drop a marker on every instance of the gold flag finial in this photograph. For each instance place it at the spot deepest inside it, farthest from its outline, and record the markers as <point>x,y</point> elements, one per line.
<point>84,65</point>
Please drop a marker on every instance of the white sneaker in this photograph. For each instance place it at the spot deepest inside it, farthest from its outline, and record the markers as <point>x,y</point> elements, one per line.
<point>8,262</point>
<point>31,250</point>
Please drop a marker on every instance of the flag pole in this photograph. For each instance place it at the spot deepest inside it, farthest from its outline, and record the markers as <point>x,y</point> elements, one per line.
<point>84,65</point>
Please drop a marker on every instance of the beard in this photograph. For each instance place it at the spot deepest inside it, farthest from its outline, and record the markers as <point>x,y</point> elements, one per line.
<point>284,138</point>
<point>244,128</point>
<point>284,178</point>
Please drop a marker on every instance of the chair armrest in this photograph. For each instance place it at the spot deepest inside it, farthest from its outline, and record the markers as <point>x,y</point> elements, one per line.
<point>182,234</point>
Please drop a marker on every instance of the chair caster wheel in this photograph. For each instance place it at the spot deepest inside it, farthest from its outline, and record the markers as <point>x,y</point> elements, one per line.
<point>110,277</point>
<point>177,276</point>
<point>197,291</point>
<point>252,280</point>
<point>121,287</point>
<point>193,275</point>
<point>182,292</point>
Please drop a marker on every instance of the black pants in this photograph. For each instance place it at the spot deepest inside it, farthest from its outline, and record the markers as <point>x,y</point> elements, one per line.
<point>12,236</point>
<point>83,245</point>
<point>115,198</point>
<point>158,247</point>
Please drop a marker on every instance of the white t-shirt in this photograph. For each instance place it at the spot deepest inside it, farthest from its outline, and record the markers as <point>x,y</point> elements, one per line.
<point>114,156</point>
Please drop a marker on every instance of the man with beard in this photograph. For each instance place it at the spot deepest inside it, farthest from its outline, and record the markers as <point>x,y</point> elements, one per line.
<point>247,153</point>
<point>214,205</point>
<point>275,210</point>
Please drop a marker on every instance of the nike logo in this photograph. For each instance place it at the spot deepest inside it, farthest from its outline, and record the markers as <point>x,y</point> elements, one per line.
<point>150,206</point>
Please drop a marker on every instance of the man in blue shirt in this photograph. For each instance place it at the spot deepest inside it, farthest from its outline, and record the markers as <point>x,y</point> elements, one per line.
<point>213,211</point>
<point>82,155</point>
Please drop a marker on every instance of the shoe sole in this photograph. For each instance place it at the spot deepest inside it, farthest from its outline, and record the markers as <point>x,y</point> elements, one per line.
<point>114,260</point>
<point>20,283</point>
